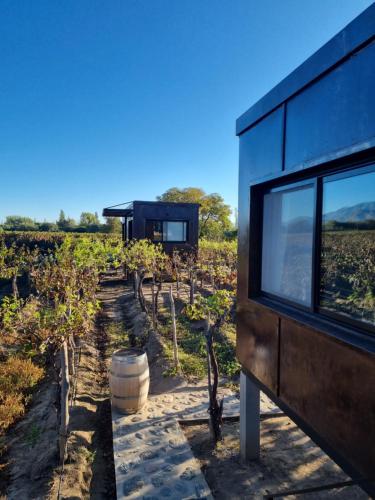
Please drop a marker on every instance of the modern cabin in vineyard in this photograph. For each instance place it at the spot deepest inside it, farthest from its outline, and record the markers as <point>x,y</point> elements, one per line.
<point>174,225</point>
<point>306,271</point>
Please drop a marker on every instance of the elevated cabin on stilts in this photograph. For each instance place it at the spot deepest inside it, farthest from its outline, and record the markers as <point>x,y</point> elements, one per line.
<point>306,240</point>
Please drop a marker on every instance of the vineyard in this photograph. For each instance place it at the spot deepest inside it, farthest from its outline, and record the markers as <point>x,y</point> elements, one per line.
<point>49,306</point>
<point>348,273</point>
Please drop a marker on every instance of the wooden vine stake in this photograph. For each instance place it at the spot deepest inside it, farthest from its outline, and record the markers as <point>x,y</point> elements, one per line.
<point>65,389</point>
<point>215,408</point>
<point>174,331</point>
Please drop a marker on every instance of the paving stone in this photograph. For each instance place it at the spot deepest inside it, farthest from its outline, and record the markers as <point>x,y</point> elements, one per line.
<point>152,457</point>
<point>149,455</point>
<point>188,474</point>
<point>134,484</point>
<point>157,480</point>
<point>166,492</point>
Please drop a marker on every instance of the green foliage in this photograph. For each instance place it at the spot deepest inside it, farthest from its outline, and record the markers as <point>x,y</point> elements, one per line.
<point>19,223</point>
<point>113,225</point>
<point>144,257</point>
<point>214,214</point>
<point>217,262</point>
<point>215,306</point>
<point>193,352</point>
<point>89,219</point>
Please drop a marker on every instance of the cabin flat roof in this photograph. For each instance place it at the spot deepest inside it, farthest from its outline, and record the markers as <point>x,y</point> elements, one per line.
<point>116,211</point>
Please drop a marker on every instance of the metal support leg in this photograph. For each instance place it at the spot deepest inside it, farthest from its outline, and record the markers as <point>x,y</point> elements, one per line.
<point>249,419</point>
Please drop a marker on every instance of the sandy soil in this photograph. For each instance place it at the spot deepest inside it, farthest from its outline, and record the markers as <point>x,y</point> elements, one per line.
<point>89,469</point>
<point>32,470</point>
<point>289,461</point>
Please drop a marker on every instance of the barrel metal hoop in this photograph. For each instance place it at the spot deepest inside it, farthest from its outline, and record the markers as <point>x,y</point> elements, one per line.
<point>128,376</point>
<point>129,397</point>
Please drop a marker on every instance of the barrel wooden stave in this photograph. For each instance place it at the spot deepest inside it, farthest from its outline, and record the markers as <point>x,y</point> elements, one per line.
<point>129,380</point>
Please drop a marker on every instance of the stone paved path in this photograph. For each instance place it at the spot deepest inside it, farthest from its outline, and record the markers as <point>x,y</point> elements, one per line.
<point>153,459</point>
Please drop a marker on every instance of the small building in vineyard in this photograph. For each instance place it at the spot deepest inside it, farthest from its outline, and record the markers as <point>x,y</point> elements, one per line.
<point>174,225</point>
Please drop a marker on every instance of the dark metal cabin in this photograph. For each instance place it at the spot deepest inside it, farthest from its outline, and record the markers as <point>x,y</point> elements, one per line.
<point>174,225</point>
<point>306,272</point>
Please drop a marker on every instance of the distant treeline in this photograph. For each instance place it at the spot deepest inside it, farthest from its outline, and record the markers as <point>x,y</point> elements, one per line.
<point>334,225</point>
<point>88,223</point>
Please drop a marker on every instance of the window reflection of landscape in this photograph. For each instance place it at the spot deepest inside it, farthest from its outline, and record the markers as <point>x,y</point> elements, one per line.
<point>288,242</point>
<point>348,246</point>
<point>166,231</point>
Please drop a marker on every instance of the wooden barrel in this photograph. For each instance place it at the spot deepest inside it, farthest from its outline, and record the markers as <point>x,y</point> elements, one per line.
<point>129,380</point>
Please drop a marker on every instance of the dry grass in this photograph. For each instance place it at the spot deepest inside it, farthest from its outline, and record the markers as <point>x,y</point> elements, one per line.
<point>17,377</point>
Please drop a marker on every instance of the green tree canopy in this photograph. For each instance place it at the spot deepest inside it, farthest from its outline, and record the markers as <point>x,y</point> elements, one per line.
<point>214,214</point>
<point>89,219</point>
<point>65,224</point>
<point>113,225</point>
<point>19,223</point>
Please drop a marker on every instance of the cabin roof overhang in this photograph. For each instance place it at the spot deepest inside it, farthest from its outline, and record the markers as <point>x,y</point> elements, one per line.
<point>355,35</point>
<point>127,211</point>
<point>117,212</point>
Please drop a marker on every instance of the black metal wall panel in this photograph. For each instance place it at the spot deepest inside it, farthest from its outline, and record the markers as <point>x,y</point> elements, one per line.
<point>320,372</point>
<point>260,155</point>
<point>261,146</point>
<point>334,116</point>
<point>167,211</point>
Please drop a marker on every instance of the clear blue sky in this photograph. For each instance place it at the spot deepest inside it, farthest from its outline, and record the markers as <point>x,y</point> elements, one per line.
<point>348,192</point>
<point>107,101</point>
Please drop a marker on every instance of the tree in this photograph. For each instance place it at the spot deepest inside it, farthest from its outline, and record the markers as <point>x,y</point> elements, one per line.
<point>89,219</point>
<point>113,225</point>
<point>47,226</point>
<point>65,224</point>
<point>19,223</point>
<point>214,214</point>
<point>61,218</point>
<point>214,310</point>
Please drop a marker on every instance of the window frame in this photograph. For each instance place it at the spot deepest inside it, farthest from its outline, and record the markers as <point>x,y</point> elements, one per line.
<point>279,189</point>
<point>316,180</point>
<point>162,221</point>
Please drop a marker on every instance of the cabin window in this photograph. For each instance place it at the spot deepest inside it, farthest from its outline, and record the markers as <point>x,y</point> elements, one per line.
<point>166,231</point>
<point>347,270</point>
<point>288,217</point>
<point>318,245</point>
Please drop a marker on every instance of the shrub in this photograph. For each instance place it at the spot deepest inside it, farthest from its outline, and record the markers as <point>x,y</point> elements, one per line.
<point>17,377</point>
<point>11,408</point>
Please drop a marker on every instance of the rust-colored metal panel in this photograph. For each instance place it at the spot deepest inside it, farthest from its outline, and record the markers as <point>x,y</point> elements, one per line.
<point>330,385</point>
<point>257,342</point>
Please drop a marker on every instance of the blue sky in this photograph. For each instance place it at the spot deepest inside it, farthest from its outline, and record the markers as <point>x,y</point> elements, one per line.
<point>348,192</point>
<point>108,101</point>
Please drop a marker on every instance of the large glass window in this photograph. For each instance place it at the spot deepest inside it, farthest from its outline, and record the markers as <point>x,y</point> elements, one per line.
<point>347,284</point>
<point>173,231</point>
<point>288,217</point>
<point>331,217</point>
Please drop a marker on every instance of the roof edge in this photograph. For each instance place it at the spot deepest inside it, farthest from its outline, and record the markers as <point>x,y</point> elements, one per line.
<point>356,34</point>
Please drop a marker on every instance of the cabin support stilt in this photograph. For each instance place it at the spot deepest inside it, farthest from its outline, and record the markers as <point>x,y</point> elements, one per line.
<point>249,419</point>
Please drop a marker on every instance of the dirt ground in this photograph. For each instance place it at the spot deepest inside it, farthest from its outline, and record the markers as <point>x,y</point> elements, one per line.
<point>89,469</point>
<point>32,469</point>
<point>289,461</point>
